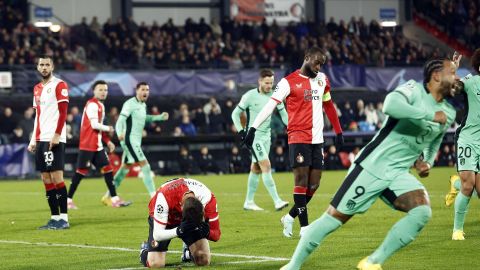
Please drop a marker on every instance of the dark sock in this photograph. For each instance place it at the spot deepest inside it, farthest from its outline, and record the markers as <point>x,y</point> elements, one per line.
<point>300,207</point>
<point>144,257</point>
<point>310,195</point>
<point>75,182</point>
<point>62,197</point>
<point>109,181</point>
<point>51,194</point>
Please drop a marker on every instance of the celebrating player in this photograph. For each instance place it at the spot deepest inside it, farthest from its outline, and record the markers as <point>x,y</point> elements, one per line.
<point>252,102</point>
<point>418,118</point>
<point>468,150</point>
<point>129,130</point>
<point>305,91</point>
<point>50,101</point>
<point>92,133</point>
<point>183,208</point>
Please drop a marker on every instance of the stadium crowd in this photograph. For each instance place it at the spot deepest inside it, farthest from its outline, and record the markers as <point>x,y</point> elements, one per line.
<point>214,119</point>
<point>226,44</point>
<point>457,18</point>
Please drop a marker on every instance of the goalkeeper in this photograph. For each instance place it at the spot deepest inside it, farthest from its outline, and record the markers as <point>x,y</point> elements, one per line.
<point>183,208</point>
<point>129,130</point>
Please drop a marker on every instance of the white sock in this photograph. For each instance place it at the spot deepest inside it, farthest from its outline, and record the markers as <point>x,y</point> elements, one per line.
<point>69,200</point>
<point>289,218</point>
<point>56,217</point>
<point>64,217</point>
<point>115,199</point>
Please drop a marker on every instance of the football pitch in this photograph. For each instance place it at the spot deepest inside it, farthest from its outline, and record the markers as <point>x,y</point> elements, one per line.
<point>104,238</point>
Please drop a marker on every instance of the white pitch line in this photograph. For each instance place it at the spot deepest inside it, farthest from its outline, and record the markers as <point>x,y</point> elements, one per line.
<point>256,258</point>
<point>177,265</point>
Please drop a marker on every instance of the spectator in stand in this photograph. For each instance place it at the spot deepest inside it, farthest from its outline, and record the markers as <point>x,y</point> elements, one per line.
<point>348,115</point>
<point>332,160</point>
<point>200,120</point>
<point>380,115</point>
<point>446,157</point>
<point>226,114</point>
<point>186,161</point>
<point>70,127</point>
<point>206,162</point>
<point>371,116</point>
<point>236,162</point>
<point>18,136</point>
<point>27,122</point>
<point>352,155</point>
<point>177,132</point>
<point>154,127</point>
<point>280,160</point>
<point>8,122</point>
<point>77,119</point>
<point>216,121</point>
<point>187,127</point>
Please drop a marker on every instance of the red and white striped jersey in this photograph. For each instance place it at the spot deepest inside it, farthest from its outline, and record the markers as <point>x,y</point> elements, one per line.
<point>90,138</point>
<point>303,100</point>
<point>165,207</point>
<point>45,101</point>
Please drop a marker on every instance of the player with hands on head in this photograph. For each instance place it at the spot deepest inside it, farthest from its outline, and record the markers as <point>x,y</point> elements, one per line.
<point>183,208</point>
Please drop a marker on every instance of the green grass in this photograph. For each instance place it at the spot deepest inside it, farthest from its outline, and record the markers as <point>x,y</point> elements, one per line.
<point>23,208</point>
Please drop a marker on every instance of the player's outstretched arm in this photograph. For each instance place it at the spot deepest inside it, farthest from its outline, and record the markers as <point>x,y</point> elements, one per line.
<point>398,106</point>
<point>161,117</point>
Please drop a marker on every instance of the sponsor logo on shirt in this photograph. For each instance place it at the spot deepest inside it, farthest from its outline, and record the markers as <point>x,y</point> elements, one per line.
<point>65,92</point>
<point>309,95</point>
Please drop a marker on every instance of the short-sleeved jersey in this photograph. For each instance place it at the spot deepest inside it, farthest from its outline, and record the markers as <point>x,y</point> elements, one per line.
<point>136,114</point>
<point>91,139</point>
<point>303,98</point>
<point>45,101</point>
<point>165,206</point>
<point>252,102</point>
<point>470,128</point>
<point>399,143</point>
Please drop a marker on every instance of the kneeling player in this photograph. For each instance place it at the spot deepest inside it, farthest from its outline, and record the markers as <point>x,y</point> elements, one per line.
<point>183,208</point>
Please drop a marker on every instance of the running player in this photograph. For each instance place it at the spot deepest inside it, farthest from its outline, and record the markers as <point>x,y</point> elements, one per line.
<point>183,208</point>
<point>306,92</point>
<point>92,133</point>
<point>50,101</point>
<point>252,103</point>
<point>418,118</point>
<point>468,150</point>
<point>129,130</point>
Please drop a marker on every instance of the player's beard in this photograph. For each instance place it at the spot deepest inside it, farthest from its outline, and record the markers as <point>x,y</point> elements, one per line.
<point>447,88</point>
<point>46,77</point>
<point>310,72</point>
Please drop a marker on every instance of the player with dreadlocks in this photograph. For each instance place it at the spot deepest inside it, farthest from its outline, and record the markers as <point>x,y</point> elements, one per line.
<point>418,118</point>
